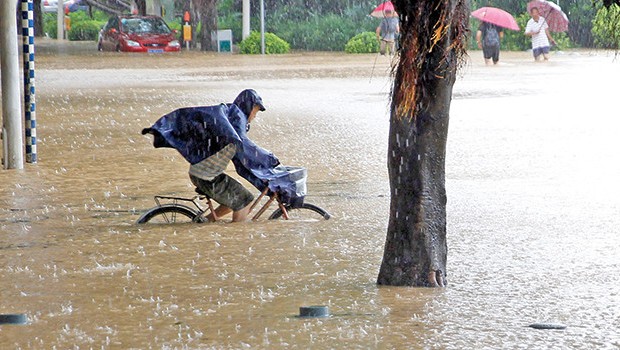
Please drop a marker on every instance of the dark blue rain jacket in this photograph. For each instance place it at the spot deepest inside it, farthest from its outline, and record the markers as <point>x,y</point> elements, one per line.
<point>196,132</point>
<point>199,132</point>
<point>251,156</point>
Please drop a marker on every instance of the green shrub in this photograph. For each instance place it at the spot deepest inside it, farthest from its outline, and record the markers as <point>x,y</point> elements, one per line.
<point>273,44</point>
<point>229,17</point>
<point>327,27</point>
<point>581,14</point>
<point>516,40</point>
<point>49,25</point>
<point>606,27</point>
<point>562,41</point>
<point>328,32</point>
<point>77,18</point>
<point>176,25</point>
<point>362,43</point>
<point>85,30</point>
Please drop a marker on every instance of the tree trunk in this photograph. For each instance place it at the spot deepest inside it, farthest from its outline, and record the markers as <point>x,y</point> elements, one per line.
<point>38,19</point>
<point>433,39</point>
<point>141,7</point>
<point>208,18</point>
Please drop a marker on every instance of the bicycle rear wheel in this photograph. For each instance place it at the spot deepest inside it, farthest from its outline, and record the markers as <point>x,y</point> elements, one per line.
<point>307,212</point>
<point>169,214</point>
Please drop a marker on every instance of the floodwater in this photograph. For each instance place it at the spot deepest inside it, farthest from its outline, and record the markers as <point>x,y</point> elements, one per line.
<point>532,180</point>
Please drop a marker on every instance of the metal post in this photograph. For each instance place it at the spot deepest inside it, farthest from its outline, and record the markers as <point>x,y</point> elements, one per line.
<point>262,27</point>
<point>13,155</point>
<point>29,92</point>
<point>187,29</point>
<point>245,31</point>
<point>60,17</point>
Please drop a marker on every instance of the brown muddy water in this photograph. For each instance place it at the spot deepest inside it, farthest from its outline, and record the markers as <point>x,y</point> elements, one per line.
<point>532,180</point>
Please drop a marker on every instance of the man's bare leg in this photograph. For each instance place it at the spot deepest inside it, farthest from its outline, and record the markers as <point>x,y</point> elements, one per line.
<point>219,212</point>
<point>241,215</point>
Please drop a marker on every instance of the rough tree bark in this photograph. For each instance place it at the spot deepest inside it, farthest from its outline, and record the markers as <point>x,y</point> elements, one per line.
<point>433,39</point>
<point>206,10</point>
<point>141,7</point>
<point>38,18</point>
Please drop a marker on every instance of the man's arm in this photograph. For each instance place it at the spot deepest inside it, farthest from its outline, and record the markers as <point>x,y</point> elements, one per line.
<point>479,38</point>
<point>549,36</point>
<point>250,155</point>
<point>529,29</point>
<point>378,32</point>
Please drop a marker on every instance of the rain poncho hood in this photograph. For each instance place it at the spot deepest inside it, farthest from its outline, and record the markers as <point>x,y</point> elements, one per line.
<point>246,101</point>
<point>199,132</point>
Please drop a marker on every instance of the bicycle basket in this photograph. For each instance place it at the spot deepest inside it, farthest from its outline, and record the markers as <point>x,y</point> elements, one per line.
<point>288,181</point>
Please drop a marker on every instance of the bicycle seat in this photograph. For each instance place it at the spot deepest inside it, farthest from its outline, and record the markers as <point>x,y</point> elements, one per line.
<point>200,192</point>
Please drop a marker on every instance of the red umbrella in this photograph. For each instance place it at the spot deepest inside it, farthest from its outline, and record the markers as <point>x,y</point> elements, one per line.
<point>379,11</point>
<point>496,16</point>
<point>552,13</point>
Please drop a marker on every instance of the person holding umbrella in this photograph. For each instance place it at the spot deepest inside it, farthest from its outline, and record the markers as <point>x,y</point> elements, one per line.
<point>538,29</point>
<point>387,31</point>
<point>489,37</point>
<point>490,32</point>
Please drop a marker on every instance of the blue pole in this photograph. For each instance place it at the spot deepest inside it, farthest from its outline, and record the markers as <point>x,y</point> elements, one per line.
<point>29,92</point>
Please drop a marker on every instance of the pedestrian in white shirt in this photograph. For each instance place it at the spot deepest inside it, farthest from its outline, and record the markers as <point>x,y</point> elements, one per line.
<point>538,29</point>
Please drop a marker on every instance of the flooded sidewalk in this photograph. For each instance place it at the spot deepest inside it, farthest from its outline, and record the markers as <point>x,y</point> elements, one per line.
<point>532,188</point>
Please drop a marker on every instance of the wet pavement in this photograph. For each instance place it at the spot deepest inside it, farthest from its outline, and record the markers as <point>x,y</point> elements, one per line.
<point>532,180</point>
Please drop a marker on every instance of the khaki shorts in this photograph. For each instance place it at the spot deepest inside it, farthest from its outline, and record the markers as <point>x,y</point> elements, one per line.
<point>225,190</point>
<point>387,45</point>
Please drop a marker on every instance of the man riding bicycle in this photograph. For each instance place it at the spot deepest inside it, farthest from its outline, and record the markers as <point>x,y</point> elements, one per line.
<point>209,138</point>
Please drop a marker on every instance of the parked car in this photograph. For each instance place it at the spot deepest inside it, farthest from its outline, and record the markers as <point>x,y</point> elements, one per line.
<point>137,34</point>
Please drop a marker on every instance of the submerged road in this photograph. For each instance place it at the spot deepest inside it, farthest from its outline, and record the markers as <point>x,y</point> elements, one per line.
<point>532,173</point>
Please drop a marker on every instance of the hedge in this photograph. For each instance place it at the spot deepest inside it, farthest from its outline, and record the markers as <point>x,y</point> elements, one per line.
<point>273,44</point>
<point>86,30</point>
<point>365,42</point>
<point>606,27</point>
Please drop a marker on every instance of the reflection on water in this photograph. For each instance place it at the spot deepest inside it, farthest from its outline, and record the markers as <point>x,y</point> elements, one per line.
<point>532,187</point>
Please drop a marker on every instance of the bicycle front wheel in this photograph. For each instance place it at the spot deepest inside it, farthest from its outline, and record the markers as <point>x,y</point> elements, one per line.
<point>307,212</point>
<point>169,214</point>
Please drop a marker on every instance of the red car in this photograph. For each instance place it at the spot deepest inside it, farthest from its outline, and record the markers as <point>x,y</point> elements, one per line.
<point>137,34</point>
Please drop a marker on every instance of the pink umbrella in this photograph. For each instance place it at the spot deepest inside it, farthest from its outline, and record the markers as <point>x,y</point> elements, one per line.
<point>380,10</point>
<point>496,16</point>
<point>552,13</point>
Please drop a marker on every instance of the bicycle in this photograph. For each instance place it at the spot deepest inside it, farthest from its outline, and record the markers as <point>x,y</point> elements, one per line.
<point>175,212</point>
